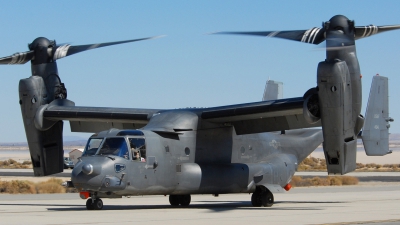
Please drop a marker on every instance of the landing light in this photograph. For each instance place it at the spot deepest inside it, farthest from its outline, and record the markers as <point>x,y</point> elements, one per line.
<point>287,187</point>
<point>84,194</point>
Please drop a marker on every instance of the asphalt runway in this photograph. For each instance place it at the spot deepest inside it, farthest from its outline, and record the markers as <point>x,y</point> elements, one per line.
<point>360,204</point>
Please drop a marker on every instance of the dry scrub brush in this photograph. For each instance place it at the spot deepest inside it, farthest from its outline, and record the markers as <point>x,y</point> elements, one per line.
<point>315,164</point>
<point>298,181</point>
<point>53,185</point>
<point>12,164</point>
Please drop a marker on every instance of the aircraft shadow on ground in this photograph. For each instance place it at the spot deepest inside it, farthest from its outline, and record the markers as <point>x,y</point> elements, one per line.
<point>216,206</point>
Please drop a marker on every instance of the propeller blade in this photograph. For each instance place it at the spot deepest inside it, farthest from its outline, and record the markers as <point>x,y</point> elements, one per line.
<point>366,31</point>
<point>67,50</point>
<point>313,36</point>
<point>17,58</point>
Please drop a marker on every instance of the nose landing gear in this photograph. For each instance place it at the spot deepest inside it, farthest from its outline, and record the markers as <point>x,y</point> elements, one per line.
<point>262,197</point>
<point>94,204</point>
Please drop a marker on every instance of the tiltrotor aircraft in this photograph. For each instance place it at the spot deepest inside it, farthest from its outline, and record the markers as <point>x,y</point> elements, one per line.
<point>245,148</point>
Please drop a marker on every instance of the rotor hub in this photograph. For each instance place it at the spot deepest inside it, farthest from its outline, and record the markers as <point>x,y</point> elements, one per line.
<point>43,48</point>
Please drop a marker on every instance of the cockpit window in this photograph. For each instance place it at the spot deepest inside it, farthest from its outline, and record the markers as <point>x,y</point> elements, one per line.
<point>114,146</point>
<point>138,149</point>
<point>92,146</point>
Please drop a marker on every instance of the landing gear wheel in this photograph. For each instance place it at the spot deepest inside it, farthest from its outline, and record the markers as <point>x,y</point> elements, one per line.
<point>89,205</point>
<point>262,197</point>
<point>98,204</point>
<point>267,198</point>
<point>185,200</point>
<point>174,200</point>
<point>256,200</point>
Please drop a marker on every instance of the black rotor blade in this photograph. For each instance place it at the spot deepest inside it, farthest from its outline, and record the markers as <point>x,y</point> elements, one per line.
<point>366,31</point>
<point>313,36</point>
<point>67,50</point>
<point>17,58</point>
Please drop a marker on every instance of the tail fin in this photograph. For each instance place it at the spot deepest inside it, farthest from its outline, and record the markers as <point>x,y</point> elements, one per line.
<point>273,90</point>
<point>375,134</point>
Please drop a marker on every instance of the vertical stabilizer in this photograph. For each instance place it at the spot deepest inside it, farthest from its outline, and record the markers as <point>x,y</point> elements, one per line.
<point>375,134</point>
<point>273,90</point>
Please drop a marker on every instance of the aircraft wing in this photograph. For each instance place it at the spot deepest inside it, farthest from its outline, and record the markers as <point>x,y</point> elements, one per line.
<point>258,117</point>
<point>248,118</point>
<point>93,119</point>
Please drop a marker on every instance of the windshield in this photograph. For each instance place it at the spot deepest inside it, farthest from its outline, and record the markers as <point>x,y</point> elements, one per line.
<point>92,146</point>
<point>114,146</point>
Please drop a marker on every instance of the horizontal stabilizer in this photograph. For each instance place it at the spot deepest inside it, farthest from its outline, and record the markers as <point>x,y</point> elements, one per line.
<point>375,134</point>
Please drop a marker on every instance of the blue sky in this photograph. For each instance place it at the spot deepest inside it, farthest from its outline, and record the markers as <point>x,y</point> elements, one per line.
<point>187,68</point>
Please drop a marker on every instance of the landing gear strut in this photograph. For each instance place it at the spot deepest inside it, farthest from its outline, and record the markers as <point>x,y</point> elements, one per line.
<point>176,200</point>
<point>262,197</point>
<point>94,204</point>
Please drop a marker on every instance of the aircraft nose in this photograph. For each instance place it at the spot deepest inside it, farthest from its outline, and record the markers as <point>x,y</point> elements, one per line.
<point>87,175</point>
<point>87,169</point>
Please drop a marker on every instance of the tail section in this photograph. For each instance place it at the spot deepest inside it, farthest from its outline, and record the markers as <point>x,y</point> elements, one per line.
<point>375,134</point>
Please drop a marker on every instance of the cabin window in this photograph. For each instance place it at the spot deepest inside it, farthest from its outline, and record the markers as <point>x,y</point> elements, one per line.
<point>114,146</point>
<point>138,149</point>
<point>92,146</point>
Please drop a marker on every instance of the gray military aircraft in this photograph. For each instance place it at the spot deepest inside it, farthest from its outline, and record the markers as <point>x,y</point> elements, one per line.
<point>245,148</point>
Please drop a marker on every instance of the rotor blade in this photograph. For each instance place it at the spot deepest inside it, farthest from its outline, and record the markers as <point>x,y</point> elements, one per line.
<point>366,31</point>
<point>313,36</point>
<point>17,58</point>
<point>67,50</point>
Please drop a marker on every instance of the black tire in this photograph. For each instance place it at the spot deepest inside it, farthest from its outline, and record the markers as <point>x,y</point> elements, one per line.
<point>174,200</point>
<point>267,198</point>
<point>256,200</point>
<point>185,200</point>
<point>98,204</point>
<point>89,205</point>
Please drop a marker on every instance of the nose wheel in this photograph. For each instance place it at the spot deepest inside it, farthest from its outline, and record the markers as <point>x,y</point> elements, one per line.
<point>176,200</point>
<point>94,204</point>
<point>262,197</point>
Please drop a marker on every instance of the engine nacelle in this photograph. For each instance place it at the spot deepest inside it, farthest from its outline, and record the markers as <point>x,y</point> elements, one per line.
<point>45,146</point>
<point>338,122</point>
<point>311,109</point>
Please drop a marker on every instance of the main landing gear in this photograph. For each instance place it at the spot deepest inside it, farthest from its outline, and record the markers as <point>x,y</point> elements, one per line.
<point>176,200</point>
<point>262,197</point>
<point>94,204</point>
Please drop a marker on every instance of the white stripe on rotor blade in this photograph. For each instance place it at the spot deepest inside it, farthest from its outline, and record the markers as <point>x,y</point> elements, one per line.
<point>365,31</point>
<point>375,30</point>
<point>314,35</point>
<point>310,35</point>
<point>305,35</point>
<point>273,34</point>
<point>369,31</point>
<point>61,52</point>
<point>17,58</point>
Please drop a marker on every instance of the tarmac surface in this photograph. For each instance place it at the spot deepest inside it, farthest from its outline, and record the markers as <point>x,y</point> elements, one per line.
<point>375,203</point>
